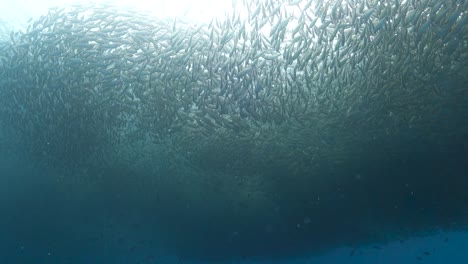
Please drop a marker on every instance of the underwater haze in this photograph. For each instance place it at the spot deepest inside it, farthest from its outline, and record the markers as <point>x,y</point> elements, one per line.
<point>248,131</point>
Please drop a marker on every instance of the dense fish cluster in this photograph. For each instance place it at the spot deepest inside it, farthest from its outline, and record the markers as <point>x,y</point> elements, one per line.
<point>275,82</point>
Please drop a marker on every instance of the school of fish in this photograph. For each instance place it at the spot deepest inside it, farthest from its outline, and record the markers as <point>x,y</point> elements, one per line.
<point>275,82</point>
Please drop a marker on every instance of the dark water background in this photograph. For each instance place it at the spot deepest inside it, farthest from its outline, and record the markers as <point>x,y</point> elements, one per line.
<point>38,219</point>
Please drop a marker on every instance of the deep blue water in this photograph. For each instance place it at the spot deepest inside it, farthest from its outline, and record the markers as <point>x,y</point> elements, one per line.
<point>43,223</point>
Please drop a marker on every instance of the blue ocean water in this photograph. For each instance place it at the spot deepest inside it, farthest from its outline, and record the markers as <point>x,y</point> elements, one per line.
<point>397,197</point>
<point>40,223</point>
